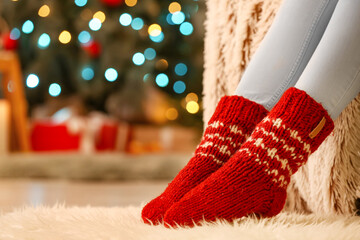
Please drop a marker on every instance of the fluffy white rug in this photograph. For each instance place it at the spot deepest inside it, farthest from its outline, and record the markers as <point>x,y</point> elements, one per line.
<point>89,223</point>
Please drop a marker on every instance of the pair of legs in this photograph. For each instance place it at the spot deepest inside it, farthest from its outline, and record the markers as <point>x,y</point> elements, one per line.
<point>312,45</point>
<point>247,155</point>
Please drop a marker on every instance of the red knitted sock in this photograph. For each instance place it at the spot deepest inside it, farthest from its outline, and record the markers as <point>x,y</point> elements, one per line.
<point>255,179</point>
<point>234,119</point>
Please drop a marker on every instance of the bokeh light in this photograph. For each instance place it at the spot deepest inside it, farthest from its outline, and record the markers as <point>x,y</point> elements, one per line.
<point>162,80</point>
<point>192,107</point>
<point>178,17</point>
<point>86,14</point>
<point>44,11</point>
<point>150,53</point>
<point>32,81</point>
<point>154,30</point>
<point>161,64</point>
<point>15,34</point>
<point>138,58</point>
<point>10,86</point>
<point>87,73</point>
<point>84,37</point>
<point>100,15</point>
<point>28,27</point>
<point>111,74</point>
<point>146,77</point>
<point>168,19</point>
<point>158,38</point>
<point>186,28</point>
<point>174,7</point>
<point>54,89</point>
<point>80,3</point>
<point>191,97</point>
<point>137,23</point>
<point>179,87</point>
<point>65,37</point>
<point>130,3</point>
<point>125,19</point>
<point>180,69</point>
<point>171,114</point>
<point>44,41</point>
<point>95,24</point>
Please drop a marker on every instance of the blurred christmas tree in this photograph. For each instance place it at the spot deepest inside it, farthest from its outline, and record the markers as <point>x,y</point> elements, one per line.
<point>140,61</point>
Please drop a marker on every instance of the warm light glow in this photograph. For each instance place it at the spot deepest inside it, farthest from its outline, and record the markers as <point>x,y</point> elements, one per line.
<point>192,107</point>
<point>161,65</point>
<point>183,103</point>
<point>154,30</point>
<point>171,114</point>
<point>86,14</point>
<point>130,3</point>
<point>44,11</point>
<point>100,15</point>
<point>174,7</point>
<point>191,97</point>
<point>65,37</point>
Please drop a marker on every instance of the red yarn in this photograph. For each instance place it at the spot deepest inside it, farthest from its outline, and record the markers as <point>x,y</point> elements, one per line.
<point>234,118</point>
<point>255,179</point>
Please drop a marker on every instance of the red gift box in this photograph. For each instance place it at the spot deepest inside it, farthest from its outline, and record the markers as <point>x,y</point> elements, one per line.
<point>49,136</point>
<point>107,137</point>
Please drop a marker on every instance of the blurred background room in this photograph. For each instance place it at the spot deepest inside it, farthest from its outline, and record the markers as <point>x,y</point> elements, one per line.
<point>100,100</point>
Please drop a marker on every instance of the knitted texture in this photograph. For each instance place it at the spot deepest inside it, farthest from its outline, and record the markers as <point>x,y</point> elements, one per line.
<point>255,179</point>
<point>234,119</point>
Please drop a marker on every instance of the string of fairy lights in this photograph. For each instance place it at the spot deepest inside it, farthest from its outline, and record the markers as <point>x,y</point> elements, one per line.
<point>175,17</point>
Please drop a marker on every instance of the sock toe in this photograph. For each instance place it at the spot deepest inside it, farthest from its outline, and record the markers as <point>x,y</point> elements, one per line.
<point>177,215</point>
<point>153,212</point>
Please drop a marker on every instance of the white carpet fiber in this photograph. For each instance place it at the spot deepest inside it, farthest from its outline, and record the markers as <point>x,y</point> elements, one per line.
<point>88,223</point>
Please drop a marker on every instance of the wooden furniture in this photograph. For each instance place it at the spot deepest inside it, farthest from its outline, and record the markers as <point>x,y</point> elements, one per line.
<point>13,90</point>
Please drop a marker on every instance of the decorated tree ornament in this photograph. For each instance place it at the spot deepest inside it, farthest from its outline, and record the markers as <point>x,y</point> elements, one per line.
<point>93,48</point>
<point>9,43</point>
<point>112,3</point>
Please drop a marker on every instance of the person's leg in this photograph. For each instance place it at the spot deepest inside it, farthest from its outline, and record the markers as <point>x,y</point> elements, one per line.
<point>332,76</point>
<point>232,122</point>
<point>255,179</point>
<point>285,51</point>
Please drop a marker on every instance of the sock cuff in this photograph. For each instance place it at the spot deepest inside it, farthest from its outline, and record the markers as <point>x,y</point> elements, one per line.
<point>299,112</point>
<point>238,110</point>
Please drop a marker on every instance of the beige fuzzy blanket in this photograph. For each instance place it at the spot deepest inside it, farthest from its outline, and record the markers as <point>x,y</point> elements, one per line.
<point>330,181</point>
<point>60,223</point>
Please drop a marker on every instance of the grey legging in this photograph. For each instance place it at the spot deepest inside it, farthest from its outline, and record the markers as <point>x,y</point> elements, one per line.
<point>313,45</point>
